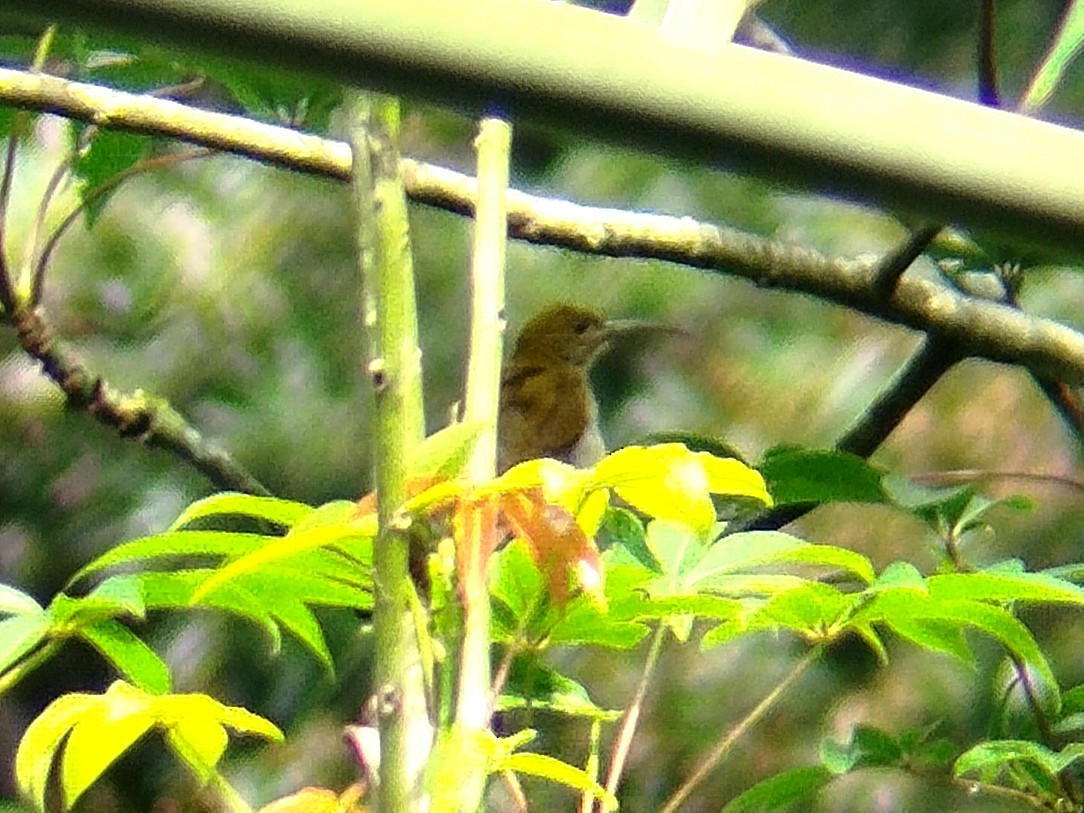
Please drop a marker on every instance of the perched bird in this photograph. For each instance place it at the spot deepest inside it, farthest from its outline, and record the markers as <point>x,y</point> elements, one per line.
<point>547,408</point>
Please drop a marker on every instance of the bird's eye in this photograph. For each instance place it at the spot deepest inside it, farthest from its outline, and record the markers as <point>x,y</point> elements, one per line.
<point>582,326</point>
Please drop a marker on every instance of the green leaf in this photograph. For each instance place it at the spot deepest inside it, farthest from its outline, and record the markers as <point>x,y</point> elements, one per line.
<point>935,635</point>
<point>270,509</point>
<point>621,528</point>
<point>950,512</point>
<point>1063,50</point>
<point>754,549</point>
<point>132,658</point>
<point>532,684</point>
<point>16,602</point>
<point>173,544</point>
<point>677,549</point>
<point>780,791</point>
<point>1000,754</point>
<point>868,747</point>
<point>280,549</point>
<point>518,586</point>
<point>585,623</point>
<point>899,609</point>
<point>110,152</point>
<point>1023,587</point>
<point>814,609</point>
<point>19,636</point>
<point>546,767</point>
<point>112,598</point>
<point>798,476</point>
<point>446,452</point>
<point>899,576</point>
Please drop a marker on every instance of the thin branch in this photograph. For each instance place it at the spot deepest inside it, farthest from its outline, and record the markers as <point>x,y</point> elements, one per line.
<point>8,294</point>
<point>896,262</point>
<point>963,476</point>
<point>932,360</point>
<point>106,186</point>
<point>735,108</point>
<point>632,717</point>
<point>722,748</point>
<point>138,416</point>
<point>983,329</point>
<point>987,56</point>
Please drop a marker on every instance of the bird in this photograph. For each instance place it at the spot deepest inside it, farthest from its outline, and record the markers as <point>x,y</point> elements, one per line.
<point>547,408</point>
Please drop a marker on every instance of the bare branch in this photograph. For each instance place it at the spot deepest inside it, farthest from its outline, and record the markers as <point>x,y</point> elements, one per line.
<point>980,328</point>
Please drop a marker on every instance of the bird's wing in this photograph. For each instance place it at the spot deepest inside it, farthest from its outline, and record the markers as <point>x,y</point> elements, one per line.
<point>544,411</point>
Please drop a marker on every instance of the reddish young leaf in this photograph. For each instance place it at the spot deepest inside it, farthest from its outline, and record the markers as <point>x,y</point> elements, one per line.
<point>560,547</point>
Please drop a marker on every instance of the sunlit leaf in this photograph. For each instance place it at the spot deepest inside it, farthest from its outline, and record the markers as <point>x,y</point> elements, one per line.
<point>753,549</point>
<point>270,509</point>
<point>546,767</point>
<point>129,655</point>
<point>1023,587</point>
<point>16,602</point>
<point>667,482</point>
<point>445,452</point>
<point>175,544</point>
<point>100,728</point>
<point>282,548</point>
<point>40,741</point>
<point>106,731</point>
<point>19,636</point>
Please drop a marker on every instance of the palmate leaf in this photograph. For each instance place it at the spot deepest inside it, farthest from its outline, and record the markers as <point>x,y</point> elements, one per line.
<point>742,552</point>
<point>900,609</point>
<point>271,598</point>
<point>93,619</point>
<point>96,730</point>
<point>670,482</point>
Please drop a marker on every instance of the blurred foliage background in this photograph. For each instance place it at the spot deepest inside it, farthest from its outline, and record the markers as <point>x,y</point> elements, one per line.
<point>229,289</point>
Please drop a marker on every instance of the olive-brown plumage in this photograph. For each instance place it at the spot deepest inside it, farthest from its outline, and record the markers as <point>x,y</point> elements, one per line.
<point>547,407</point>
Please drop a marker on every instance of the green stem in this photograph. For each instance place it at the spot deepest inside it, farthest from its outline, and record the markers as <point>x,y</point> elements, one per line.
<point>482,396</point>
<point>394,367</point>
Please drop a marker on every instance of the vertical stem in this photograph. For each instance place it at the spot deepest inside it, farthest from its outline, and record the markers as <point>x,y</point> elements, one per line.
<point>481,404</point>
<point>394,368</point>
<point>482,396</point>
